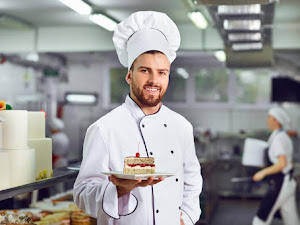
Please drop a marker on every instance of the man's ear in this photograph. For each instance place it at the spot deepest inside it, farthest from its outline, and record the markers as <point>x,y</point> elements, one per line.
<point>128,77</point>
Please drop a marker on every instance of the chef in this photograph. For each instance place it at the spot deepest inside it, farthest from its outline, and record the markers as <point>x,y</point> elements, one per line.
<point>280,198</point>
<point>146,43</point>
<point>60,143</point>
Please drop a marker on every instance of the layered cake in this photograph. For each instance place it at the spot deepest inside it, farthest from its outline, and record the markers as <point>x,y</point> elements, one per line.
<point>21,158</point>
<point>139,165</point>
<point>42,145</point>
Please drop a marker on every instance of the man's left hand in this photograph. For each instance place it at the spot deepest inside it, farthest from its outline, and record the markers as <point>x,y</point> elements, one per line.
<point>181,220</point>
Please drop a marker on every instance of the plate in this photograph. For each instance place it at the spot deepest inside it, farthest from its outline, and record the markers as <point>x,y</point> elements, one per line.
<point>121,175</point>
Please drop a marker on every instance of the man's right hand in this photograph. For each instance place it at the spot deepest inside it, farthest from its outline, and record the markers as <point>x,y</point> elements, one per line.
<point>124,186</point>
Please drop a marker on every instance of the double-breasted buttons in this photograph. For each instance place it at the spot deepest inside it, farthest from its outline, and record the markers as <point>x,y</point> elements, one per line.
<point>176,179</point>
<point>157,211</point>
<point>143,125</point>
<point>151,153</point>
<point>165,125</point>
<point>172,152</point>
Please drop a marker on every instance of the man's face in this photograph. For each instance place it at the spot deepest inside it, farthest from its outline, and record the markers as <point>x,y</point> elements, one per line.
<point>149,79</point>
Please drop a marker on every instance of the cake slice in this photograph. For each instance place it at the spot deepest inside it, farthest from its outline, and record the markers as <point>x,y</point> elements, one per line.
<point>139,165</point>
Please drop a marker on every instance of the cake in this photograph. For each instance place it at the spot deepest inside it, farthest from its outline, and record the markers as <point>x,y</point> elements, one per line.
<point>41,144</point>
<point>21,168</point>
<point>139,165</point>
<point>4,170</point>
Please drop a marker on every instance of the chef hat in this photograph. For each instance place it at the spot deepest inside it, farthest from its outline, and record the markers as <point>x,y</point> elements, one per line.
<point>57,124</point>
<point>280,115</point>
<point>145,31</point>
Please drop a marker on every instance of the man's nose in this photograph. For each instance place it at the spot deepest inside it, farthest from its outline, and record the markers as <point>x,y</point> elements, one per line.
<point>154,77</point>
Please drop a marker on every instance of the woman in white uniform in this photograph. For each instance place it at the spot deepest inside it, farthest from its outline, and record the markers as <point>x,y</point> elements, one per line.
<point>280,200</point>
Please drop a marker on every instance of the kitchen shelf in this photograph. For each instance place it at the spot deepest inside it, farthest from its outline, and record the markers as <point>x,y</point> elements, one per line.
<point>59,175</point>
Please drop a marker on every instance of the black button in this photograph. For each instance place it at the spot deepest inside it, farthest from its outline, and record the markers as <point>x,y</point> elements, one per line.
<point>165,125</point>
<point>172,151</point>
<point>157,211</point>
<point>176,179</point>
<point>179,207</point>
<point>143,125</point>
<point>151,153</point>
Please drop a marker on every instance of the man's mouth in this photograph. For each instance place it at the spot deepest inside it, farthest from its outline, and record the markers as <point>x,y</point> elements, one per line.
<point>152,89</point>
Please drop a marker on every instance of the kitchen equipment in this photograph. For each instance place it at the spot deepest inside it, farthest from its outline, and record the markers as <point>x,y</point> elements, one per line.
<point>241,179</point>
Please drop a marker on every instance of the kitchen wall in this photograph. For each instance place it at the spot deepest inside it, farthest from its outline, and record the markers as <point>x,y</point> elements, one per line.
<point>94,77</point>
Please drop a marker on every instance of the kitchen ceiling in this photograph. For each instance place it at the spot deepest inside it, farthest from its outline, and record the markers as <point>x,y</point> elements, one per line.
<point>60,29</point>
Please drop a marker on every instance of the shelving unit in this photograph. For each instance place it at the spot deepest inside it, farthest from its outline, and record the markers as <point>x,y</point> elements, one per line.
<point>59,175</point>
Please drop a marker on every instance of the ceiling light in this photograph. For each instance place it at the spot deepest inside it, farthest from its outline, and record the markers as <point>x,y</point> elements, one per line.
<point>239,9</point>
<point>198,19</point>
<point>244,36</point>
<point>220,55</point>
<point>182,72</point>
<point>246,46</point>
<point>104,21</point>
<point>33,57</point>
<point>79,6</point>
<point>77,98</point>
<point>242,24</point>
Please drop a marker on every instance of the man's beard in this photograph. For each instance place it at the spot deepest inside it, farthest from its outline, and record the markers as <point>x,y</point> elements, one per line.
<point>150,100</point>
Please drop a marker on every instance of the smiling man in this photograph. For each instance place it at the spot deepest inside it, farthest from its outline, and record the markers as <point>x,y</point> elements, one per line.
<point>146,43</point>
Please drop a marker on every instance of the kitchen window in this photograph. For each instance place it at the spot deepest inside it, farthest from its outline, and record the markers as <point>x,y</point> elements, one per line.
<point>253,86</point>
<point>119,88</point>
<point>211,85</point>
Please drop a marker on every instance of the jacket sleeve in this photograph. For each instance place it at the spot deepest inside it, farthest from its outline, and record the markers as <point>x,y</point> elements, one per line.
<point>93,191</point>
<point>192,182</point>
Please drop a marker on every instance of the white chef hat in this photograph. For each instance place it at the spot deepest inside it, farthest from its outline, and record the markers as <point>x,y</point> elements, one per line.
<point>57,124</point>
<point>145,31</point>
<point>280,115</point>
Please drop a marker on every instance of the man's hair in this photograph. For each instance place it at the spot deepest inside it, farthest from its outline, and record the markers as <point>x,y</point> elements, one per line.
<point>153,52</point>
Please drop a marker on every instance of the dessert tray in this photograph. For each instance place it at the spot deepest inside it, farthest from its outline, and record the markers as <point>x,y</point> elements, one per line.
<point>121,175</point>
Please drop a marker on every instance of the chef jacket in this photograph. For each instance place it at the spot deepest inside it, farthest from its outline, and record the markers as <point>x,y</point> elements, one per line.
<point>281,144</point>
<point>166,136</point>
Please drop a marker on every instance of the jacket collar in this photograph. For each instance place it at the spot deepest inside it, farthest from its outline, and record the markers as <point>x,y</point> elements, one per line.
<point>136,111</point>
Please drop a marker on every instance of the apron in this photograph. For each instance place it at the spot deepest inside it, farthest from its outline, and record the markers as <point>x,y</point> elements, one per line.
<point>275,182</point>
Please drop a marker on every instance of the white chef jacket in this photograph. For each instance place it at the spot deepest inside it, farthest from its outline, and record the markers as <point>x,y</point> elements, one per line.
<point>166,136</point>
<point>281,144</point>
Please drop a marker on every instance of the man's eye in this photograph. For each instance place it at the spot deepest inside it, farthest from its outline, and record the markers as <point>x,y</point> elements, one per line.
<point>144,71</point>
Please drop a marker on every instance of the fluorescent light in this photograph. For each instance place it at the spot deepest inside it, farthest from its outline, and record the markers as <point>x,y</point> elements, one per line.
<point>242,24</point>
<point>81,98</point>
<point>244,36</point>
<point>103,21</point>
<point>246,46</point>
<point>239,9</point>
<point>79,6</point>
<point>182,72</point>
<point>198,19</point>
<point>220,55</point>
<point>33,57</point>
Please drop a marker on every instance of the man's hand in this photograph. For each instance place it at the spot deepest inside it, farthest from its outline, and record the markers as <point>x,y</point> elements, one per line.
<point>124,186</point>
<point>181,220</point>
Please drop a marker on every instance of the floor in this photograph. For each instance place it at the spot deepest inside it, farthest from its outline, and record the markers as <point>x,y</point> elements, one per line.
<point>238,212</point>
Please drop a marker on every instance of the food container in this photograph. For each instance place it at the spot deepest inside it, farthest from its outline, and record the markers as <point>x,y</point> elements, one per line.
<point>254,152</point>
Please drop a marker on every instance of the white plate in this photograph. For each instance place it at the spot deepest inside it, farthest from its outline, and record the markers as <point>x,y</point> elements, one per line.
<point>121,175</point>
